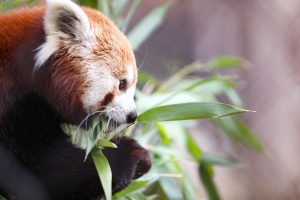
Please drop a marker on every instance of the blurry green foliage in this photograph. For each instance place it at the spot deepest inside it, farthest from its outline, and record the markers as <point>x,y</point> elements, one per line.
<point>10,4</point>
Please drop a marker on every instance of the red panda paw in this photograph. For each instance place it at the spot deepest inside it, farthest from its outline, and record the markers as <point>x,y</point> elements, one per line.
<point>128,162</point>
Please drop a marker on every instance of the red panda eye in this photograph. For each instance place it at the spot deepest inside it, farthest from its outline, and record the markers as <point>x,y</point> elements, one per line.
<point>122,84</point>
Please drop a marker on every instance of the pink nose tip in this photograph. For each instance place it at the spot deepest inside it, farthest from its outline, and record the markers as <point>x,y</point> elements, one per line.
<point>131,117</point>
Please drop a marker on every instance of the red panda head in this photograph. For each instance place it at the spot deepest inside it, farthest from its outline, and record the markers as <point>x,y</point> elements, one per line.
<point>90,64</point>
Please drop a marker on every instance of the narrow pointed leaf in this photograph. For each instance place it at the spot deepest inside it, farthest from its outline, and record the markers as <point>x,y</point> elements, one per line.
<point>106,143</point>
<point>147,25</point>
<point>104,172</point>
<point>133,187</point>
<point>92,135</point>
<point>219,160</point>
<point>2,198</point>
<point>238,131</point>
<point>226,62</point>
<point>193,147</point>
<point>206,175</point>
<point>188,111</point>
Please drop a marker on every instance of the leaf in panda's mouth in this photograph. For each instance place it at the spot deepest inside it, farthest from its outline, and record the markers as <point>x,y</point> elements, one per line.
<point>99,129</point>
<point>93,140</point>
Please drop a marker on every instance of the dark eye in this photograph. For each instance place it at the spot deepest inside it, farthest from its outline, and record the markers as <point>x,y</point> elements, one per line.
<point>122,84</point>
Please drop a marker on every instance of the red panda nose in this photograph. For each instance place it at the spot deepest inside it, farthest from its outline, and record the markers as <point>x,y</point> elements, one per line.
<point>131,117</point>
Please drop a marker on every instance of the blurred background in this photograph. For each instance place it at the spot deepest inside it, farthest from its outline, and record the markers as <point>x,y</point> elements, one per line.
<point>264,33</point>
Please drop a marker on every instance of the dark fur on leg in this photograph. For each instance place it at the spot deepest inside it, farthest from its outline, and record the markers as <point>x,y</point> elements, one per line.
<point>37,147</point>
<point>67,177</point>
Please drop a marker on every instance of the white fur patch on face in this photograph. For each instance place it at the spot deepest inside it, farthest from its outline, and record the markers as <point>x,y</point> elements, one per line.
<point>60,14</point>
<point>131,74</point>
<point>101,82</point>
<point>123,105</point>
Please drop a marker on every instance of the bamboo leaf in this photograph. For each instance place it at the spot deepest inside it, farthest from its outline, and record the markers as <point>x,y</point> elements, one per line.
<point>189,191</point>
<point>238,131</point>
<point>2,198</point>
<point>93,134</point>
<point>104,172</point>
<point>144,78</point>
<point>133,187</point>
<point>147,25</point>
<point>212,85</point>
<point>165,140</point>
<point>187,111</point>
<point>89,3</point>
<point>226,62</point>
<point>104,7</point>
<point>133,6</point>
<point>206,174</point>
<point>218,160</point>
<point>119,5</point>
<point>193,148</point>
<point>105,143</point>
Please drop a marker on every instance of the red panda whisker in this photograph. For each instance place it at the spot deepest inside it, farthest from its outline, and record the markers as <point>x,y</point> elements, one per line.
<point>144,58</point>
<point>89,115</point>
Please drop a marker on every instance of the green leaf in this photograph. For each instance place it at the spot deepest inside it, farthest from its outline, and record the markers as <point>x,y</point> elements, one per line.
<point>147,25</point>
<point>104,172</point>
<point>89,3</point>
<point>163,134</point>
<point>234,97</point>
<point>206,174</point>
<point>104,7</point>
<point>2,198</point>
<point>133,7</point>
<point>170,189</point>
<point>93,134</point>
<point>136,196</point>
<point>237,130</point>
<point>105,143</point>
<point>145,102</point>
<point>212,86</point>
<point>133,187</point>
<point>166,151</point>
<point>193,148</point>
<point>144,78</point>
<point>225,62</point>
<point>118,6</point>
<point>187,111</point>
<point>76,134</point>
<point>188,191</point>
<point>158,188</point>
<point>218,160</point>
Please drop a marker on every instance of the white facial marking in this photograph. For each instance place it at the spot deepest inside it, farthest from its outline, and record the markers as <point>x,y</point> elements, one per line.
<point>100,83</point>
<point>82,29</point>
<point>130,74</point>
<point>124,104</point>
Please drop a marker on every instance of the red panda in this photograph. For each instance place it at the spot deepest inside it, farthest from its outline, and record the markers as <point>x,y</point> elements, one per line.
<point>61,64</point>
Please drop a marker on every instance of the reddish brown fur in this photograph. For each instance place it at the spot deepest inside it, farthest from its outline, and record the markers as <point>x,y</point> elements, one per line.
<point>63,88</point>
<point>113,49</point>
<point>15,28</point>
<point>65,85</point>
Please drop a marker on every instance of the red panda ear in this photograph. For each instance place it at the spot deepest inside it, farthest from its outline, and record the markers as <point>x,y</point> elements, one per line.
<point>63,20</point>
